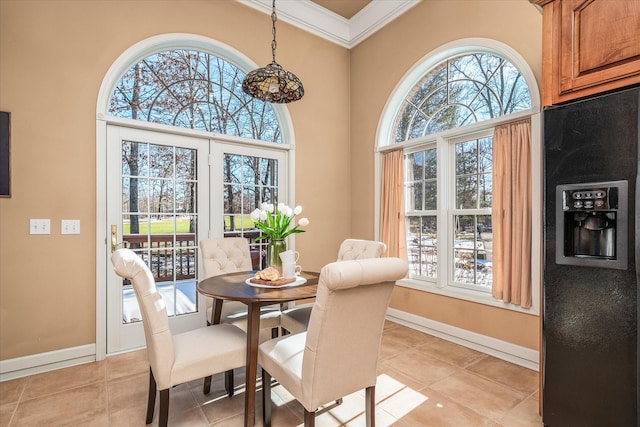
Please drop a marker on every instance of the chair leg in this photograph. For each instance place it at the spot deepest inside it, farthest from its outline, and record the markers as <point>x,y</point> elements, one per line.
<point>164,408</point>
<point>370,406</point>
<point>228,382</point>
<point>151,402</point>
<point>266,398</point>
<point>309,418</point>
<point>206,387</point>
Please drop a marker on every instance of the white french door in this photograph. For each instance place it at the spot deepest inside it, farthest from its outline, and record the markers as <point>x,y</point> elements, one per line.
<point>157,205</point>
<point>165,193</point>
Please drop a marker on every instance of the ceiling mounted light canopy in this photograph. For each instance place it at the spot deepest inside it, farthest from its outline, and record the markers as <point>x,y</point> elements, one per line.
<point>273,83</point>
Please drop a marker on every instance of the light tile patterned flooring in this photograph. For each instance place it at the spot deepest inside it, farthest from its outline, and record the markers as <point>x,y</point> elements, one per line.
<point>423,381</point>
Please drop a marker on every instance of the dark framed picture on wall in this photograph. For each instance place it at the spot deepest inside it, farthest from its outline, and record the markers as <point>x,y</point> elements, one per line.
<point>5,164</point>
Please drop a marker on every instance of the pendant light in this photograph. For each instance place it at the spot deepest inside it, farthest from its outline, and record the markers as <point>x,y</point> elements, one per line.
<point>273,83</point>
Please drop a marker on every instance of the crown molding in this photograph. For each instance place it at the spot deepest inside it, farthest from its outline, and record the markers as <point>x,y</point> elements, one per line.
<point>317,20</point>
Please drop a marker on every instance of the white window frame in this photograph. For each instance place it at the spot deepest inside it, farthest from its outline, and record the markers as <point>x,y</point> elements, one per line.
<point>385,142</point>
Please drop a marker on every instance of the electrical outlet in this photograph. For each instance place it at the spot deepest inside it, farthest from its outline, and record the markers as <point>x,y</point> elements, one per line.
<point>40,226</point>
<point>70,226</point>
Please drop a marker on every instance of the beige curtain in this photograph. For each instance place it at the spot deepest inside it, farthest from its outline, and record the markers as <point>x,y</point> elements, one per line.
<point>511,213</point>
<point>392,231</point>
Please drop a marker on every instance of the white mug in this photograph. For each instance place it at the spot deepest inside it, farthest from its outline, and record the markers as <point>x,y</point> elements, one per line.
<point>289,256</point>
<point>290,270</point>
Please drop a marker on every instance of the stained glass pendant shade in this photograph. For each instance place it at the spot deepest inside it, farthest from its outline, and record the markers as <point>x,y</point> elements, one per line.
<point>273,83</point>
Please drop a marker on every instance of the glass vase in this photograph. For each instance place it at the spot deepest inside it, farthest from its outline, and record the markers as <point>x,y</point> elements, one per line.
<point>274,248</point>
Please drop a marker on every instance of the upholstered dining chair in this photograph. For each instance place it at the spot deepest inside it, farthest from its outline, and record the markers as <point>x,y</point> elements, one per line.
<point>296,319</point>
<point>228,255</point>
<point>176,359</point>
<point>338,354</point>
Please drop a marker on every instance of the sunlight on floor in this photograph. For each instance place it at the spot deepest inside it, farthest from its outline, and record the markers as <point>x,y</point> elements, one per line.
<point>391,392</point>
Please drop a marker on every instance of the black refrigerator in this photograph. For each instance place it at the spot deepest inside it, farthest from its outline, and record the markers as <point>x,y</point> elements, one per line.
<point>590,354</point>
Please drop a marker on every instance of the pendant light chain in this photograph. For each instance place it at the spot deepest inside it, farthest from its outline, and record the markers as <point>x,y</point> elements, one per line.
<point>274,18</point>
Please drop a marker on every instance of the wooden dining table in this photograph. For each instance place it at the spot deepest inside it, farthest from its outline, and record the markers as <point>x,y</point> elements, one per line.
<point>233,286</point>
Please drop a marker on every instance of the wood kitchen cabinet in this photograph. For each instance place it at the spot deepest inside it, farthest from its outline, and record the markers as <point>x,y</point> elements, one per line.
<point>589,46</point>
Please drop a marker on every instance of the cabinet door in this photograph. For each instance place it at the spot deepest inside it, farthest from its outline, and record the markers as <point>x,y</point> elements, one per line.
<point>588,47</point>
<point>599,44</point>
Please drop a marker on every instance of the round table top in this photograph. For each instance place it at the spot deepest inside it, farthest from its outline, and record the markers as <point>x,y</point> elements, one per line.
<point>232,286</point>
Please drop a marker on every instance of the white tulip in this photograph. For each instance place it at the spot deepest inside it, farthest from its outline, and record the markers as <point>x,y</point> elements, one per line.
<point>255,215</point>
<point>303,222</point>
<point>263,215</point>
<point>297,210</point>
<point>269,207</point>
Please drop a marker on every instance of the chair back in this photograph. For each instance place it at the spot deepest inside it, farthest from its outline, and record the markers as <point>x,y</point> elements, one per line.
<point>345,328</point>
<point>360,249</point>
<point>160,350</point>
<point>226,255</point>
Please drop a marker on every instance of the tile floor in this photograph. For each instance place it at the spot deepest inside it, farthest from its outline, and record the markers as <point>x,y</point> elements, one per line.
<point>423,381</point>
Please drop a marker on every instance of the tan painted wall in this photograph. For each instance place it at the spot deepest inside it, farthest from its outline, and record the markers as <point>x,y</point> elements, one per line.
<point>53,58</point>
<point>377,64</point>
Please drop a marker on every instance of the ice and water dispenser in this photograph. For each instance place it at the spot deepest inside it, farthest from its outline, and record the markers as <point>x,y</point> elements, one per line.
<point>592,224</point>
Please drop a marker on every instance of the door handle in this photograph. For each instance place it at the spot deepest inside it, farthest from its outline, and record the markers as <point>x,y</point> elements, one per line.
<point>114,238</point>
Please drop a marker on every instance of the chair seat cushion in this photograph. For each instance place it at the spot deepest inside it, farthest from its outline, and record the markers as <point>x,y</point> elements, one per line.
<point>204,351</point>
<point>296,319</point>
<point>282,358</point>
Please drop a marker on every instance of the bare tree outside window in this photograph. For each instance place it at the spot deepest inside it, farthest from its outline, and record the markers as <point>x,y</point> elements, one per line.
<point>248,182</point>
<point>194,90</point>
<point>461,91</point>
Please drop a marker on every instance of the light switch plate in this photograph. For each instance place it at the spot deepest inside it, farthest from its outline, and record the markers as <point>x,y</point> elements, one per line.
<point>70,226</point>
<point>40,226</point>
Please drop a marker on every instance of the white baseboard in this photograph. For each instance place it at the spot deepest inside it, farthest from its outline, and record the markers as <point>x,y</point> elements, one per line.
<point>49,361</point>
<point>44,362</point>
<point>501,349</point>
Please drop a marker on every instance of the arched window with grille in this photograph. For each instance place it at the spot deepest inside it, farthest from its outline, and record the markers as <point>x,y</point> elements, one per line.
<point>442,116</point>
<point>195,90</point>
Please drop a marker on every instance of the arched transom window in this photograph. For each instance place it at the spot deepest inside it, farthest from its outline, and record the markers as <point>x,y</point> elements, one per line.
<point>461,91</point>
<point>196,90</point>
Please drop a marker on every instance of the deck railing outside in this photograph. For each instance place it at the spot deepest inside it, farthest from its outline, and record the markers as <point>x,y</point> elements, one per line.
<point>161,248</point>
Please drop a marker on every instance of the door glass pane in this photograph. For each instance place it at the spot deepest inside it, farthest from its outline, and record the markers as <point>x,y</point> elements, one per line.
<point>159,190</point>
<point>248,181</point>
